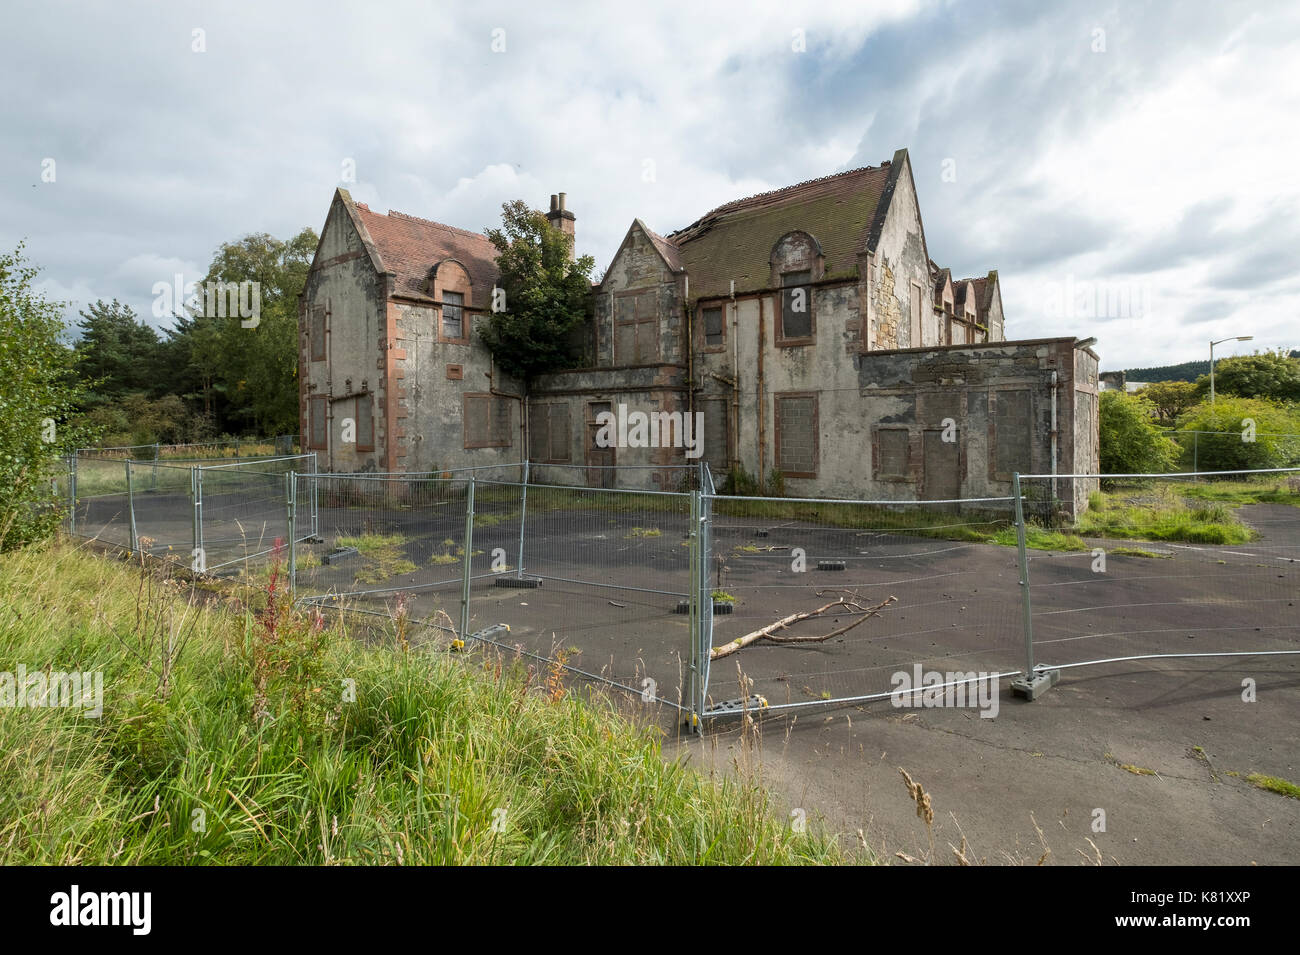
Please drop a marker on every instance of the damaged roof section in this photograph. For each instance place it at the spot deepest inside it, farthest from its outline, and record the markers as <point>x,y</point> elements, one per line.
<point>734,241</point>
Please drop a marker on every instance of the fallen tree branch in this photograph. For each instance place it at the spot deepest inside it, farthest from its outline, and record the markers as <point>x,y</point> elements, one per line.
<point>769,632</point>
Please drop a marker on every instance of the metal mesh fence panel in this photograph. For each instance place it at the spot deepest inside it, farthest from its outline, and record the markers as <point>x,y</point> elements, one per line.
<point>162,508</point>
<point>940,576</point>
<point>383,542</point>
<point>612,573</point>
<point>1175,565</point>
<point>100,506</point>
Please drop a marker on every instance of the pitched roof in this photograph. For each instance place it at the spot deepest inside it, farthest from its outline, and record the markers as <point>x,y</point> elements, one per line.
<point>984,288</point>
<point>409,247</point>
<point>672,255</point>
<point>941,278</point>
<point>734,241</point>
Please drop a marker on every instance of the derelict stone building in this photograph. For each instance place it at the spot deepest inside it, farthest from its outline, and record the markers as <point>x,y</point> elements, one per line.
<point>807,326</point>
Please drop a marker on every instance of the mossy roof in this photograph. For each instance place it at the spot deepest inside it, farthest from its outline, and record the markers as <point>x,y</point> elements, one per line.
<point>734,241</point>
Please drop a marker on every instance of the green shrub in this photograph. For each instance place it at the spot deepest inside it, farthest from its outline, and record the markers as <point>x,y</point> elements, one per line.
<point>1230,444</point>
<point>1130,441</point>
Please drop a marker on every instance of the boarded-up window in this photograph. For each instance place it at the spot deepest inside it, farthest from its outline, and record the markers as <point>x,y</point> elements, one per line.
<point>717,443</point>
<point>713,327</point>
<point>487,421</point>
<point>796,435</point>
<point>453,315</point>
<point>636,329</point>
<point>796,305</point>
<point>365,422</point>
<point>550,440</point>
<point>318,422</point>
<point>891,453</point>
<point>316,333</point>
<point>1013,428</point>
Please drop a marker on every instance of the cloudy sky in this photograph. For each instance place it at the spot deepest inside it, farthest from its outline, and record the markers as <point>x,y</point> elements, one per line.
<point>1130,169</point>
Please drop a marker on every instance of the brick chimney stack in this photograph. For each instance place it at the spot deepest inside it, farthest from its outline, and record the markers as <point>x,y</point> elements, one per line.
<point>562,219</point>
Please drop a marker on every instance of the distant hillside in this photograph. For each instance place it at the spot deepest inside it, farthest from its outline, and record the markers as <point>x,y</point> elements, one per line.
<point>1187,371</point>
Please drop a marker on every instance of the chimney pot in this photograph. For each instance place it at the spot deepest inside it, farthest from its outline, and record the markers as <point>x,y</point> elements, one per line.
<point>561,202</point>
<point>554,202</point>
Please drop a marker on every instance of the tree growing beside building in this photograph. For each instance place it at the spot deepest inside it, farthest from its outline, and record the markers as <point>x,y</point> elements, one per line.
<point>543,294</point>
<point>1129,440</point>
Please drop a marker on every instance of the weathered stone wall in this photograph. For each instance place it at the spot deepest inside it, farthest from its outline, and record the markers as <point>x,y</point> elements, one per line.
<point>346,285</point>
<point>900,271</point>
<point>648,389</point>
<point>994,401</point>
<point>639,266</point>
<point>436,375</point>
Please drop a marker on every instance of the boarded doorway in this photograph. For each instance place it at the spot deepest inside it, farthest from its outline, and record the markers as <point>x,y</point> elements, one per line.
<point>600,460</point>
<point>942,475</point>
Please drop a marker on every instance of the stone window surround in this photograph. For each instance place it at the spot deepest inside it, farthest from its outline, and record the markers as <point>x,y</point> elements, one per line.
<point>546,407</point>
<point>317,332</point>
<point>651,320</point>
<point>700,340</point>
<point>489,441</point>
<point>451,276</point>
<point>777,397</point>
<point>877,456</point>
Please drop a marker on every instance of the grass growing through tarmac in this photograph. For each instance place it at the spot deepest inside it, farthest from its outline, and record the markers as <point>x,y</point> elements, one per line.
<point>1274,785</point>
<point>242,748</point>
<point>383,556</point>
<point>1160,513</point>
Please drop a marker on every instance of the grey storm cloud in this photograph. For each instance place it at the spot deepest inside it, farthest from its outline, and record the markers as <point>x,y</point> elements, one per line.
<point>1160,160</point>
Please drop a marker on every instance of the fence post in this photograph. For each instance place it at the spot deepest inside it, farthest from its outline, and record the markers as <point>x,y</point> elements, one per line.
<point>72,493</point>
<point>523,511</point>
<point>694,610</point>
<point>469,560</point>
<point>153,481</point>
<point>1196,450</point>
<point>290,502</point>
<point>705,642</point>
<point>315,510</point>
<point>194,515</point>
<point>130,504</point>
<point>1033,683</point>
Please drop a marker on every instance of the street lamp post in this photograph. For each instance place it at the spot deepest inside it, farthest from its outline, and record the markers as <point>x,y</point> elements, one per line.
<point>1238,338</point>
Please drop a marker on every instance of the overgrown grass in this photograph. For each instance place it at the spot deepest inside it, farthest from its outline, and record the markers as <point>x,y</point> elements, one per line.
<point>383,556</point>
<point>1161,513</point>
<point>1039,538</point>
<point>247,746</point>
<point>1253,491</point>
